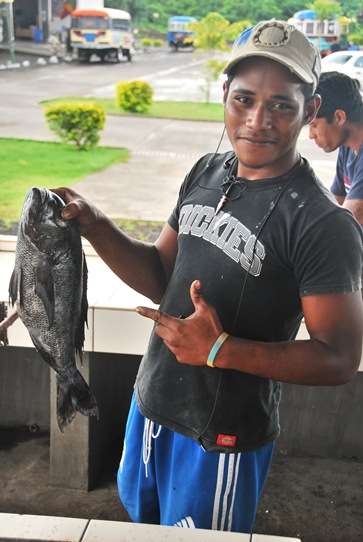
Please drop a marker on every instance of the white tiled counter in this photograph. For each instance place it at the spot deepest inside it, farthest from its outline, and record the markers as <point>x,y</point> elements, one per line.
<point>113,324</point>
<point>99,531</point>
<point>57,529</point>
<point>47,528</point>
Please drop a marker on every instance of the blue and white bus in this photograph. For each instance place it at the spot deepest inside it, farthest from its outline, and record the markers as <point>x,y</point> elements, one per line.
<point>179,32</point>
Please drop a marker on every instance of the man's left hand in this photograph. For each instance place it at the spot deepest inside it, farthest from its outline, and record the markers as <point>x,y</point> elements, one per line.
<point>189,339</point>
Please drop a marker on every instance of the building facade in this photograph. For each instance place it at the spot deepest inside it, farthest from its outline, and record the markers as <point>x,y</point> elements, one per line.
<point>33,19</point>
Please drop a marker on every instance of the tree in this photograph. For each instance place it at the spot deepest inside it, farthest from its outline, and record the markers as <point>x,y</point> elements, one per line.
<point>135,7</point>
<point>351,8</point>
<point>254,11</point>
<point>325,10</point>
<point>210,32</point>
<point>235,29</point>
<point>356,36</point>
<point>142,10</point>
<point>210,35</point>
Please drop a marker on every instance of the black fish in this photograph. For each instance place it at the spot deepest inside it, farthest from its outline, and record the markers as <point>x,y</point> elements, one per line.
<point>49,287</point>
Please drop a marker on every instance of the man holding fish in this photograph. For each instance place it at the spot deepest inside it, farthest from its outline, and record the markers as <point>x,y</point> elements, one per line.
<point>253,245</point>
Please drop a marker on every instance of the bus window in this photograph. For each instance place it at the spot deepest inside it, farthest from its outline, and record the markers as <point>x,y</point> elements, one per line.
<point>90,22</point>
<point>121,24</point>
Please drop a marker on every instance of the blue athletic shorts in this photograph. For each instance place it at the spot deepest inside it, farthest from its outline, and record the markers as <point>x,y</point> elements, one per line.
<point>168,479</point>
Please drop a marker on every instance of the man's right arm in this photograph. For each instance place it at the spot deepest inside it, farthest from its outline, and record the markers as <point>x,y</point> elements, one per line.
<point>339,199</point>
<point>143,266</point>
<point>338,188</point>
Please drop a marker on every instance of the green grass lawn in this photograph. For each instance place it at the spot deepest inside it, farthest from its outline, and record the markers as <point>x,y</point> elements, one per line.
<point>168,110</point>
<point>26,163</point>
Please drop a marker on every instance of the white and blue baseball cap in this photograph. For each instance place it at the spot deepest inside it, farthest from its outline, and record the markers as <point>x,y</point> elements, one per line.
<point>282,42</point>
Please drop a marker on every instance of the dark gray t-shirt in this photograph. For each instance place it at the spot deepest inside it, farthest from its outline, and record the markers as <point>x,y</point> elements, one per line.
<point>276,240</point>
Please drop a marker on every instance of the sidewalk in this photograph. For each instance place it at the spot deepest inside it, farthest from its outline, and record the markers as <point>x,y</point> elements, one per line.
<point>162,151</point>
<point>29,47</point>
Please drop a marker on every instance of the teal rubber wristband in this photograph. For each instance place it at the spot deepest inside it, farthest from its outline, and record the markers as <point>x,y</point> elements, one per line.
<point>215,348</point>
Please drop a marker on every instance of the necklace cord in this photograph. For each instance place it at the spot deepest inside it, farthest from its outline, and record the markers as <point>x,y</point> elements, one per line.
<point>263,224</point>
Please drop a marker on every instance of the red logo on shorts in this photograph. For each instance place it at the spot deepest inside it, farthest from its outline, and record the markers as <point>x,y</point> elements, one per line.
<point>226,440</point>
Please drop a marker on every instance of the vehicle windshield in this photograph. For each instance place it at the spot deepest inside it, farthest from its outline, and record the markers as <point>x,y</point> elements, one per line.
<point>339,59</point>
<point>179,27</point>
<point>90,22</point>
<point>121,24</point>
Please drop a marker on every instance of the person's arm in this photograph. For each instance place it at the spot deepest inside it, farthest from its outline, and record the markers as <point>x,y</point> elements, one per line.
<point>143,266</point>
<point>354,200</point>
<point>355,206</point>
<point>337,188</point>
<point>339,199</point>
<point>330,357</point>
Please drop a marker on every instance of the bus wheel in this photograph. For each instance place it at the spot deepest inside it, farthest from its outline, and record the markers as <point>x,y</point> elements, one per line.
<point>128,56</point>
<point>115,55</point>
<point>83,56</point>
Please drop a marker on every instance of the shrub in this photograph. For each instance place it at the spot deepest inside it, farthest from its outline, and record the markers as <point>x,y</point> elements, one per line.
<point>78,123</point>
<point>146,42</point>
<point>157,42</point>
<point>134,96</point>
<point>150,42</point>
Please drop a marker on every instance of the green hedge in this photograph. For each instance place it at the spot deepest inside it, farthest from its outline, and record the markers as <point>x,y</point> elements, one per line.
<point>152,42</point>
<point>76,123</point>
<point>135,96</point>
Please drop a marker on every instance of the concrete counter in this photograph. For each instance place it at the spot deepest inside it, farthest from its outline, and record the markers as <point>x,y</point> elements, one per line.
<point>57,529</point>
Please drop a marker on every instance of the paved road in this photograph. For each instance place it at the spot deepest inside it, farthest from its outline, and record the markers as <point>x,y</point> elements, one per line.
<point>162,151</point>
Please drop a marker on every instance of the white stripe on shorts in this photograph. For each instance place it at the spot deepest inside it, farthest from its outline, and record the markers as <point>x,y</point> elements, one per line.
<point>234,492</point>
<point>218,492</point>
<point>221,500</point>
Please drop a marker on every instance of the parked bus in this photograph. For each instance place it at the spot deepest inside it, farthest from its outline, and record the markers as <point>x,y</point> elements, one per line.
<point>325,34</point>
<point>104,32</point>
<point>179,33</point>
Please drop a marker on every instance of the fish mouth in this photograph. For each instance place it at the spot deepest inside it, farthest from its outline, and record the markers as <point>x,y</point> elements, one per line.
<point>38,197</point>
<point>33,202</point>
<point>40,206</point>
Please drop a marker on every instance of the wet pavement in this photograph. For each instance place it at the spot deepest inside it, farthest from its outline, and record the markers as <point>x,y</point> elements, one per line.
<point>313,498</point>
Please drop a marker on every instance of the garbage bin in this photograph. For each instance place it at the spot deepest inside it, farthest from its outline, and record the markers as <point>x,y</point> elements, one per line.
<point>37,35</point>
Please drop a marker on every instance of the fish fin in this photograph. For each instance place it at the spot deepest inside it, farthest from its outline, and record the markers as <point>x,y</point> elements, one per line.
<point>74,395</point>
<point>44,289</point>
<point>79,336</point>
<point>13,286</point>
<point>20,287</point>
<point>16,287</point>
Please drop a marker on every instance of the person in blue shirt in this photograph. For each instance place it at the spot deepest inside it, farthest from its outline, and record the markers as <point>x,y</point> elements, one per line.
<point>339,123</point>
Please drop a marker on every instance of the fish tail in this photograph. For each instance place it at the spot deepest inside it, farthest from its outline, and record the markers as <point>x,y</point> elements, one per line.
<point>74,395</point>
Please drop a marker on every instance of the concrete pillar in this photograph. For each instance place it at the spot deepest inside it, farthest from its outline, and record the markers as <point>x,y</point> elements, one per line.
<point>70,464</point>
<point>87,446</point>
